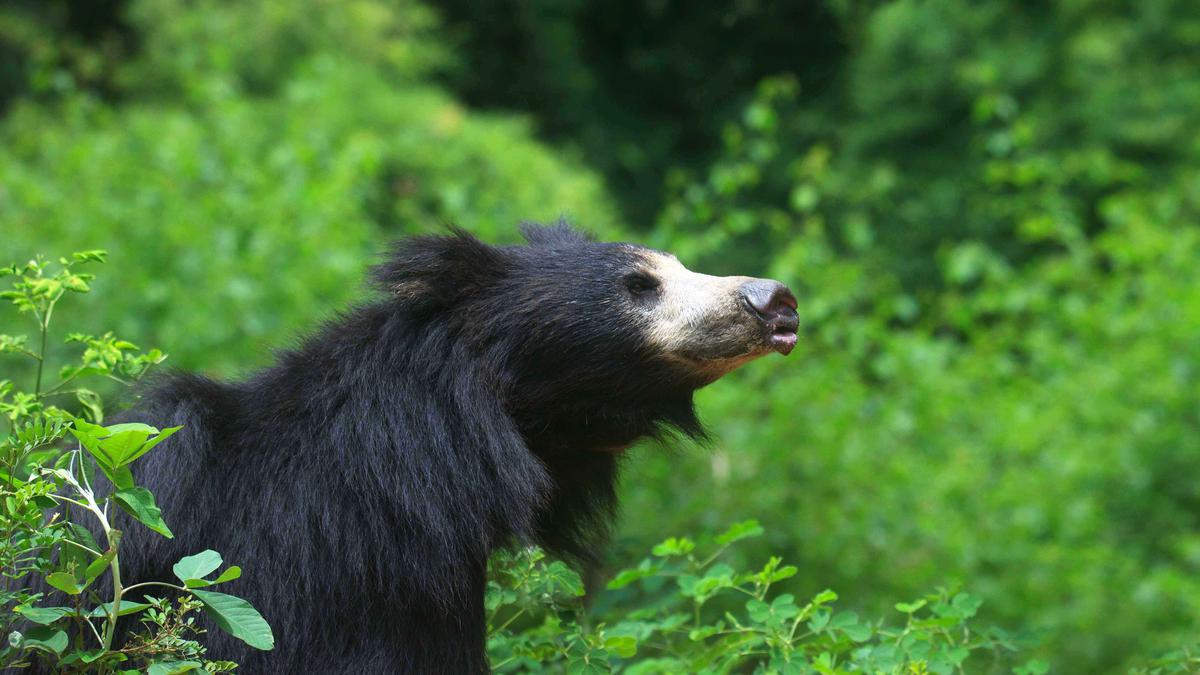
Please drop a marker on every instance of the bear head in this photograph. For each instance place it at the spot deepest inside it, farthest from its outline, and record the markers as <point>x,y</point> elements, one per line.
<point>590,343</point>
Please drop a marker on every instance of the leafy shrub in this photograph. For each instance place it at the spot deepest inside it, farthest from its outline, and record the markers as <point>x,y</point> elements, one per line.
<point>699,615</point>
<point>53,501</point>
<point>1027,429</point>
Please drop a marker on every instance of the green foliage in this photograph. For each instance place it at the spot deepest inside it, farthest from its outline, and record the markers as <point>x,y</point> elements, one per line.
<point>1027,428</point>
<point>698,615</point>
<point>39,483</point>
<point>988,211</point>
<point>242,217</point>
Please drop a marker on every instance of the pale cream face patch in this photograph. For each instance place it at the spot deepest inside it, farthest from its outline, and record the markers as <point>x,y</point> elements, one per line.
<point>699,319</point>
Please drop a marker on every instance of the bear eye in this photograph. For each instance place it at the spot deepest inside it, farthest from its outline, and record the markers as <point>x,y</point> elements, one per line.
<point>640,284</point>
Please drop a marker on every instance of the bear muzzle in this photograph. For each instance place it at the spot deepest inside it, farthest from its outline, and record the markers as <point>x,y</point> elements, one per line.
<point>774,305</point>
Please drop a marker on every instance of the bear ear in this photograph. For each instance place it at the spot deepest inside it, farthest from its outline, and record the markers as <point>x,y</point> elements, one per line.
<point>559,233</point>
<point>438,270</point>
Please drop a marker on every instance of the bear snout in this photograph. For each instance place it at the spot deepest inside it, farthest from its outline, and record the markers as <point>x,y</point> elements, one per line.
<point>774,305</point>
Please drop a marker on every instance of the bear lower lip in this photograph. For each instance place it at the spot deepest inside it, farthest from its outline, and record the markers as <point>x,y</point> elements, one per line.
<point>783,342</point>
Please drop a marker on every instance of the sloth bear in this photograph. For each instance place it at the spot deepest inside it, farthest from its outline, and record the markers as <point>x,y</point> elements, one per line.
<point>365,477</point>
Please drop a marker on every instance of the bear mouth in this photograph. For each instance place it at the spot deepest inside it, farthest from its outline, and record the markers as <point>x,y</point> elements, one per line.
<point>783,339</point>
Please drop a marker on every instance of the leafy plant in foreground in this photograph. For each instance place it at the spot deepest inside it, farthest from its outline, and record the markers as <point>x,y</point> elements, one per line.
<point>44,489</point>
<point>699,615</point>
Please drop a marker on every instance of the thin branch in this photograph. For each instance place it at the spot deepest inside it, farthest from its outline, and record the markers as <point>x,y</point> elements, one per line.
<point>88,549</point>
<point>183,589</point>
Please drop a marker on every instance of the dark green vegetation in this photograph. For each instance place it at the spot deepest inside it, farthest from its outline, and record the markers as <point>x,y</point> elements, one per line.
<point>988,209</point>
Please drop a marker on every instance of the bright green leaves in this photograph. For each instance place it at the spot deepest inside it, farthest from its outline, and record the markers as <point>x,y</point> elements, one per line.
<point>65,582</point>
<point>238,618</point>
<point>44,616</point>
<point>139,503</point>
<point>42,638</point>
<point>234,615</point>
<point>115,447</point>
<point>645,569</point>
<point>39,285</point>
<point>740,531</point>
<point>38,476</point>
<point>174,667</point>
<point>674,547</point>
<point>696,614</point>
<point>109,356</point>
<point>193,569</point>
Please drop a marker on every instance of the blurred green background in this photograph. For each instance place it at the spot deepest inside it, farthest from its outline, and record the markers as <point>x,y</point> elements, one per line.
<point>989,211</point>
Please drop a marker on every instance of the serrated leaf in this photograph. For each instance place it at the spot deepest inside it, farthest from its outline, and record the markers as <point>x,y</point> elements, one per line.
<point>238,618</point>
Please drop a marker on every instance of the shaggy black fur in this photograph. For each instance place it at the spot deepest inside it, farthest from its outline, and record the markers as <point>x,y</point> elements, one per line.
<point>363,480</point>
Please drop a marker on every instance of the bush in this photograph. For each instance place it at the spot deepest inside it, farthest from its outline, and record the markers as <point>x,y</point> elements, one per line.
<point>697,615</point>
<point>55,498</point>
<point>1028,429</point>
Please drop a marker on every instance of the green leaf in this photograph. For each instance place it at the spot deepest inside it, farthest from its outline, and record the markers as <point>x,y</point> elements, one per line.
<point>238,618</point>
<point>127,607</point>
<point>122,446</point>
<point>45,638</point>
<point>97,566</point>
<point>559,576</point>
<point>228,575</point>
<point>64,582</point>
<point>674,547</point>
<point>173,667</point>
<point>91,402</point>
<point>44,615</point>
<point>860,632</point>
<point>114,429</point>
<point>196,567</point>
<point>121,477</point>
<point>646,569</point>
<point>758,610</point>
<point>621,645</point>
<point>966,605</point>
<point>824,597</point>
<point>148,445</point>
<point>739,531</point>
<point>95,255</point>
<point>92,444</point>
<point>139,503</point>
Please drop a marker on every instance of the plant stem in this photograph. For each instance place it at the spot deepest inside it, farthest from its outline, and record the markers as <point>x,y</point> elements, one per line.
<point>505,624</point>
<point>184,589</point>
<point>41,359</point>
<point>44,325</point>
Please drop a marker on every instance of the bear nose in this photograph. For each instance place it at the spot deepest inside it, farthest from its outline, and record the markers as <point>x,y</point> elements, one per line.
<point>772,302</point>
